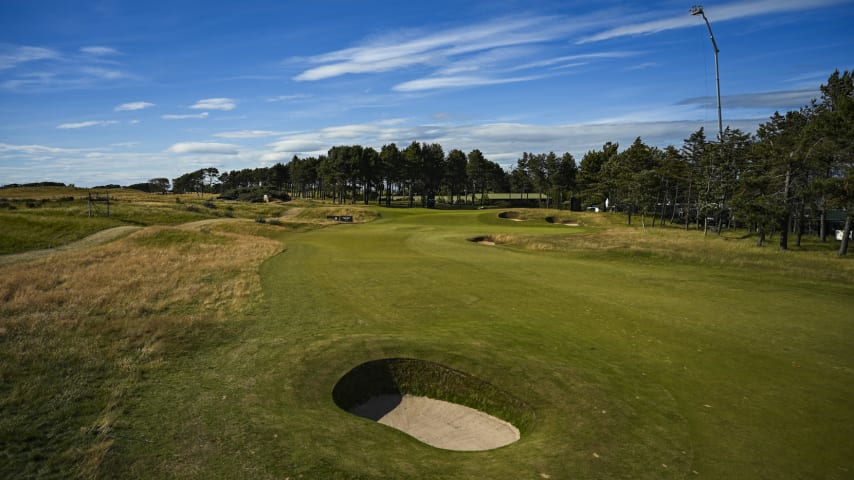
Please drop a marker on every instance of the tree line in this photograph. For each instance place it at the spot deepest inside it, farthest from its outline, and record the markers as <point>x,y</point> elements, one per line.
<point>790,177</point>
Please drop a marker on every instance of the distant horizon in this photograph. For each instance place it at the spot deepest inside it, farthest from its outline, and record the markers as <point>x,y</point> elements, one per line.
<point>120,93</point>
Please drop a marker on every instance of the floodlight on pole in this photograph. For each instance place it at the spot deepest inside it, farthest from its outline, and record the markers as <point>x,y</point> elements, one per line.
<point>698,10</point>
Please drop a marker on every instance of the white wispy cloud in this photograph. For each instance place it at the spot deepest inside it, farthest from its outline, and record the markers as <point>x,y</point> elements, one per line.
<point>104,73</point>
<point>572,60</point>
<point>131,106</point>
<point>248,134</point>
<point>763,100</point>
<point>641,66</point>
<point>36,149</point>
<point>719,13</point>
<point>184,116</point>
<point>86,124</point>
<point>204,147</point>
<point>394,53</point>
<point>298,144</point>
<point>475,55</point>
<point>288,98</point>
<point>215,104</point>
<point>99,50</point>
<point>12,56</point>
<point>28,68</point>
<point>275,157</point>
<point>456,82</point>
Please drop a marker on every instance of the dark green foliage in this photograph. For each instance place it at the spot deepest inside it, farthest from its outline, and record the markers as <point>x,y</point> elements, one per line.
<point>36,184</point>
<point>591,182</point>
<point>254,194</point>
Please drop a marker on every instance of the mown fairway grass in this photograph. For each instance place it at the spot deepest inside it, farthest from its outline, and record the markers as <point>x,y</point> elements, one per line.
<point>701,358</point>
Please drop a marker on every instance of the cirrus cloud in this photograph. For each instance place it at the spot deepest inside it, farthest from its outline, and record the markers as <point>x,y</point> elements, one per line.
<point>171,116</point>
<point>248,134</point>
<point>215,104</point>
<point>204,147</point>
<point>133,106</point>
<point>88,123</point>
<point>11,57</point>
<point>99,50</point>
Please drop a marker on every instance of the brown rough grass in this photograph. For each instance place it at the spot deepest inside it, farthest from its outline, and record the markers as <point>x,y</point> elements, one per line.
<point>115,311</point>
<point>675,244</point>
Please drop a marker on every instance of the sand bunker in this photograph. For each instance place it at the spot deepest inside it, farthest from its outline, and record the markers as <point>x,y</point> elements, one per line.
<point>512,216</point>
<point>483,240</point>
<point>563,221</point>
<point>439,423</point>
<point>414,396</point>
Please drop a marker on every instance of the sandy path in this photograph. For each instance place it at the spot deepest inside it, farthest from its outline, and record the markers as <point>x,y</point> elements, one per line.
<point>439,423</point>
<point>98,238</point>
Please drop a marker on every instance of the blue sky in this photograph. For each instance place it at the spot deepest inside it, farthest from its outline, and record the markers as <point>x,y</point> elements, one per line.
<point>101,92</point>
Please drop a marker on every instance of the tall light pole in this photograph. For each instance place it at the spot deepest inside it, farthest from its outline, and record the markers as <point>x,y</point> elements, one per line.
<point>698,10</point>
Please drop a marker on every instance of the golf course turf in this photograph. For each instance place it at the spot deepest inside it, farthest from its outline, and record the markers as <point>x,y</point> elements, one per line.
<point>613,362</point>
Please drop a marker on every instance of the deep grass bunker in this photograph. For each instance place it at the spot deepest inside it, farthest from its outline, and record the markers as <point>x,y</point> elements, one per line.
<point>438,405</point>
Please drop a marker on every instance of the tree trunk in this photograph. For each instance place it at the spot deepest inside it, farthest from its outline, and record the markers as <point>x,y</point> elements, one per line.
<point>786,220</point>
<point>822,228</point>
<point>761,240</point>
<point>688,207</point>
<point>799,227</point>
<point>784,232</point>
<point>675,202</point>
<point>846,232</point>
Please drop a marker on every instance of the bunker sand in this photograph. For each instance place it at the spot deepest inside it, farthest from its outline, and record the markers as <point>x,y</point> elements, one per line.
<point>438,423</point>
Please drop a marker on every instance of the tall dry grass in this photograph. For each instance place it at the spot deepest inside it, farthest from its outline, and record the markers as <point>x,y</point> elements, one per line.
<point>671,244</point>
<point>78,331</point>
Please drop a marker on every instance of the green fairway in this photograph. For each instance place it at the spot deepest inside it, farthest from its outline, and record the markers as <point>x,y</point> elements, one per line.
<point>634,368</point>
<point>631,362</point>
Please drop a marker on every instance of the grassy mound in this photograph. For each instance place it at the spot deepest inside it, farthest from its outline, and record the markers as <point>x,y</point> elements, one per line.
<point>321,214</point>
<point>401,376</point>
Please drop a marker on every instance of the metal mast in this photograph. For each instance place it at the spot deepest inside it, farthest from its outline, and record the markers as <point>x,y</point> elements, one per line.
<point>698,10</point>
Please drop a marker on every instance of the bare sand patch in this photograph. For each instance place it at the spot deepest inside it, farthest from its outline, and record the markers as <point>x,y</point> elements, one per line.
<point>487,240</point>
<point>436,404</point>
<point>513,216</point>
<point>439,423</point>
<point>563,221</point>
